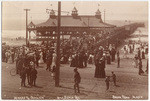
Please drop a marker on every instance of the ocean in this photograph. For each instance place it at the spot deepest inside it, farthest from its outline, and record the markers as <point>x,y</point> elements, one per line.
<point>141,34</point>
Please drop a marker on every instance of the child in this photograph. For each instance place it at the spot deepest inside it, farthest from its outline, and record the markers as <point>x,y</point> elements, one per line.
<point>107,82</point>
<point>114,78</point>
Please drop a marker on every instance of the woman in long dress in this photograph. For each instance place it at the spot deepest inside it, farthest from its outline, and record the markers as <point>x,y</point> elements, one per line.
<point>143,54</point>
<point>97,69</point>
<point>41,58</point>
<point>80,60</point>
<point>54,60</point>
<point>8,55</point>
<point>102,68</point>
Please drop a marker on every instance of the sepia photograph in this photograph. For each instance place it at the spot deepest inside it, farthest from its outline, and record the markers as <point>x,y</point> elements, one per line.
<point>74,50</point>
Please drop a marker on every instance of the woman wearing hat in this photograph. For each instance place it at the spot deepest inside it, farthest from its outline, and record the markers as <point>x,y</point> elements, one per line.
<point>102,67</point>
<point>97,69</point>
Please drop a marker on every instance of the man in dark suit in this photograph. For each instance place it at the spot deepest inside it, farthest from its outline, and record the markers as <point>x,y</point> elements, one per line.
<point>33,76</point>
<point>77,80</point>
<point>23,76</point>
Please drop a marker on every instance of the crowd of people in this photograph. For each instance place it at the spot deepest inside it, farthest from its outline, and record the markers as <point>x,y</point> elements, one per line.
<point>138,52</point>
<point>72,52</point>
<point>134,48</point>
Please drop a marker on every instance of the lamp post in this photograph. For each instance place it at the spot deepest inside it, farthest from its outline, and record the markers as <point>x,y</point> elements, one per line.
<point>58,42</point>
<point>27,25</point>
<point>58,46</point>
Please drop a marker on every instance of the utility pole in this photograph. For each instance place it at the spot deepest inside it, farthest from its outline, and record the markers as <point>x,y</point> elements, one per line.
<point>27,25</point>
<point>104,15</point>
<point>58,46</point>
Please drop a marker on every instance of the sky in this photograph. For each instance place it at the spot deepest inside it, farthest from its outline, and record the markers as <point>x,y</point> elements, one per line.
<point>13,14</point>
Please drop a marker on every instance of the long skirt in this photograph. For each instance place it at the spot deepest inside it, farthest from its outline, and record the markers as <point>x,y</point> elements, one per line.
<point>108,60</point>
<point>97,72</point>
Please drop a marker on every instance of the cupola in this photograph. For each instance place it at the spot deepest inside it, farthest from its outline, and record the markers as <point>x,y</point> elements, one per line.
<point>31,25</point>
<point>74,12</point>
<point>98,14</point>
<point>52,14</point>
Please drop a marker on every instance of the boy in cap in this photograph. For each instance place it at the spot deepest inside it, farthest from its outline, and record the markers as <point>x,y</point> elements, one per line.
<point>114,78</point>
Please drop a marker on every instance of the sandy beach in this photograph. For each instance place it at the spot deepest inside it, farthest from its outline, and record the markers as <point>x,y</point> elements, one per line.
<point>130,84</point>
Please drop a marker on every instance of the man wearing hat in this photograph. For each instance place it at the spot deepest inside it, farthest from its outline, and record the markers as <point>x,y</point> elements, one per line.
<point>77,80</point>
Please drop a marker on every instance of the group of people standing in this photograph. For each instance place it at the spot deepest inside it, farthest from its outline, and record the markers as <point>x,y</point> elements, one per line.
<point>79,60</point>
<point>139,56</point>
<point>30,73</point>
<point>27,59</point>
<point>134,48</point>
<point>138,50</point>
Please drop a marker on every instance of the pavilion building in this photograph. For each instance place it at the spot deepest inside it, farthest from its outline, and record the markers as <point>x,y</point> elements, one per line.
<point>76,25</point>
<point>72,25</point>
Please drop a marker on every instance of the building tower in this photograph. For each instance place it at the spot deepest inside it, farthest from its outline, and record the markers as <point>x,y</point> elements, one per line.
<point>52,14</point>
<point>74,12</point>
<point>98,15</point>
